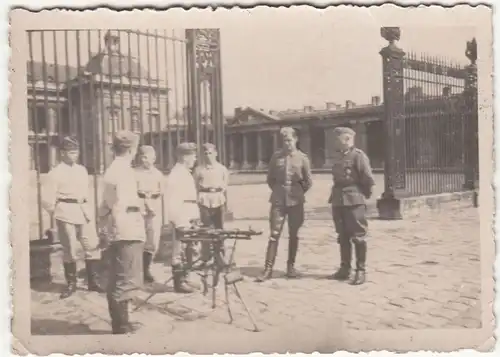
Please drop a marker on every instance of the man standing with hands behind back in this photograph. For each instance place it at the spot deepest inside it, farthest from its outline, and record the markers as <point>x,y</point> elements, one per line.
<point>289,177</point>
<point>352,185</point>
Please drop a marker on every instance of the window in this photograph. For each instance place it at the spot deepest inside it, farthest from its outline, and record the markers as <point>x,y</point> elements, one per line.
<point>113,122</point>
<point>135,122</point>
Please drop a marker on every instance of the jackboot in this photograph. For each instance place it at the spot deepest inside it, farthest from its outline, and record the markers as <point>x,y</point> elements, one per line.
<point>293,246</point>
<point>360,275</point>
<point>146,261</point>
<point>70,275</point>
<point>92,276</point>
<point>344,271</point>
<point>180,285</point>
<point>116,316</point>
<point>272,250</point>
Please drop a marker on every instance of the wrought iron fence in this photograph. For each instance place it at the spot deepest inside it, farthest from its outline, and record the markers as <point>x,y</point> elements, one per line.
<point>163,85</point>
<point>430,120</point>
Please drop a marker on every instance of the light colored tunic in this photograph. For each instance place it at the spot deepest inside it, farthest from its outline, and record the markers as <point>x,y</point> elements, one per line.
<point>67,182</point>
<point>121,207</point>
<point>212,178</point>
<point>181,197</point>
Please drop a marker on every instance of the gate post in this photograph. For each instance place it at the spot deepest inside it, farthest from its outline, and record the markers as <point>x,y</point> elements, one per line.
<point>389,205</point>
<point>471,152</point>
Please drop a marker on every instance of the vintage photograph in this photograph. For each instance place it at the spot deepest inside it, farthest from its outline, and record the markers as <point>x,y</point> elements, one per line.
<point>235,182</point>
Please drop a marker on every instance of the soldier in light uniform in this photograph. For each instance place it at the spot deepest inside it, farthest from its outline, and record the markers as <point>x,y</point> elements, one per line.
<point>289,177</point>
<point>150,189</point>
<point>122,219</point>
<point>65,195</point>
<point>182,205</point>
<point>212,179</point>
<point>352,185</point>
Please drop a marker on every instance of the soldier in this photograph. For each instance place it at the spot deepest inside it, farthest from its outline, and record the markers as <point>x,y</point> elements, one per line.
<point>352,185</point>
<point>289,178</point>
<point>150,189</point>
<point>65,198</point>
<point>121,213</point>
<point>182,210</point>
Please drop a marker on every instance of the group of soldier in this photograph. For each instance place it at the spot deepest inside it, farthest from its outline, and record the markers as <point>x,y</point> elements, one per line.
<point>137,200</point>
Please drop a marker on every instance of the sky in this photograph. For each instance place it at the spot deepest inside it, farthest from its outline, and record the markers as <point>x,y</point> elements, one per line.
<point>281,65</point>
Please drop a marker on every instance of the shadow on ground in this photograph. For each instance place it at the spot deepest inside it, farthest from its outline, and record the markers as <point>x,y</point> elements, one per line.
<point>254,272</point>
<point>58,327</point>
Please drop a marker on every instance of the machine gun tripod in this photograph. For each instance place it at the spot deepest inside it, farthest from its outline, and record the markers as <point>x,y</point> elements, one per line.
<point>215,262</point>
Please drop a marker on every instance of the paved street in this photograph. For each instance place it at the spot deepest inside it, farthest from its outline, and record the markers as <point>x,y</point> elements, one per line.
<point>423,272</point>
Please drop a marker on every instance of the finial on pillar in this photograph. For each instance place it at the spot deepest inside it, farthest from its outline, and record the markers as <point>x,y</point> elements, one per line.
<point>391,34</point>
<point>471,51</point>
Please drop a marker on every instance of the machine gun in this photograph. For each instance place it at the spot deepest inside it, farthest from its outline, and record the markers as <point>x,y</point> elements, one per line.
<point>215,262</point>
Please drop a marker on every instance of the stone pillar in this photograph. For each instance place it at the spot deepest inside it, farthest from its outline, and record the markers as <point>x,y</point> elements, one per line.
<point>329,147</point>
<point>52,136</point>
<point>261,165</point>
<point>245,165</point>
<point>389,205</point>
<point>471,128</point>
<point>305,140</point>
<point>232,152</point>
<point>275,141</point>
<point>361,137</point>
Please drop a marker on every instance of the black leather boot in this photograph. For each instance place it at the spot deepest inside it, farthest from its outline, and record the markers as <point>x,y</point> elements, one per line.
<point>92,276</point>
<point>293,246</point>
<point>179,277</point>
<point>345,262</point>
<point>360,276</point>
<point>70,275</point>
<point>146,261</point>
<point>272,250</point>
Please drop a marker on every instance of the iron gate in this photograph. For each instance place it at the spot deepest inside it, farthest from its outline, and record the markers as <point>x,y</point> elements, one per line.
<point>163,85</point>
<point>431,121</point>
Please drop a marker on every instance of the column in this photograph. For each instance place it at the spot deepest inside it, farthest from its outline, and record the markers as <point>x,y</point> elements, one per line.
<point>275,140</point>
<point>52,136</point>
<point>245,165</point>
<point>261,165</point>
<point>470,124</point>
<point>329,147</point>
<point>232,152</point>
<point>389,205</point>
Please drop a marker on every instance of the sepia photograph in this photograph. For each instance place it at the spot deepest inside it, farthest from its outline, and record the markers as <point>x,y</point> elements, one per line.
<point>278,181</point>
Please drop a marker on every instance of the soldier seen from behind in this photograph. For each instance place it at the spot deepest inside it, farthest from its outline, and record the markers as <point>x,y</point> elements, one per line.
<point>65,197</point>
<point>352,185</point>
<point>121,222</point>
<point>289,177</point>
<point>150,189</point>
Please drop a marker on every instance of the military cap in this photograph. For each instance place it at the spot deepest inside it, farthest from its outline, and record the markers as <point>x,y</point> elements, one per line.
<point>124,139</point>
<point>70,143</point>
<point>146,150</point>
<point>209,146</point>
<point>288,132</point>
<point>186,148</point>
<point>344,130</point>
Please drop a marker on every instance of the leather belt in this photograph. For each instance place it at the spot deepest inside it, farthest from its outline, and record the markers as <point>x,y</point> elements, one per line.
<point>132,209</point>
<point>152,196</point>
<point>211,189</point>
<point>190,201</point>
<point>71,200</point>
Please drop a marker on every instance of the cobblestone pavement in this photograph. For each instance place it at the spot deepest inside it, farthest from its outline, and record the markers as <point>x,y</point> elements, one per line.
<point>423,272</point>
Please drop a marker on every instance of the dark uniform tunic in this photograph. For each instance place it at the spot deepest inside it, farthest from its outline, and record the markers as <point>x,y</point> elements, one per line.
<point>289,177</point>
<point>352,185</point>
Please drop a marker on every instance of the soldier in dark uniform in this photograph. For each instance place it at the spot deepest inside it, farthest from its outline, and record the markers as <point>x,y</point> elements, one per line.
<point>352,185</point>
<point>289,178</point>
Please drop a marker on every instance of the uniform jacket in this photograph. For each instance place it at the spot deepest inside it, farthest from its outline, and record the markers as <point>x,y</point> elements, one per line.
<point>181,197</point>
<point>289,177</point>
<point>120,210</point>
<point>211,177</point>
<point>151,189</point>
<point>67,182</point>
<point>352,178</point>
